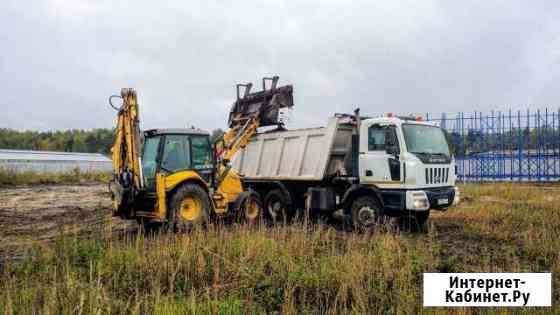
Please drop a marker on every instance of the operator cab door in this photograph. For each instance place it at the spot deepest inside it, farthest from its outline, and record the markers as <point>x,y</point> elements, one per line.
<point>201,156</point>
<point>379,151</point>
<point>150,157</point>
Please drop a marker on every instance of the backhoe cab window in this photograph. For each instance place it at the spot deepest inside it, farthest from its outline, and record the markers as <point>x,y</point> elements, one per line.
<point>175,153</point>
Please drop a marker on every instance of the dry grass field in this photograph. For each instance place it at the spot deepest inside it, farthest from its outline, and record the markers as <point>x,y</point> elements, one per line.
<point>64,254</point>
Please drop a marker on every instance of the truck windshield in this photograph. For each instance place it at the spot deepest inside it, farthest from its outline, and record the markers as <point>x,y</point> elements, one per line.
<point>425,139</point>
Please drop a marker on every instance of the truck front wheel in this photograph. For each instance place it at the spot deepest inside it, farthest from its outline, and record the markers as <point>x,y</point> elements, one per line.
<point>188,208</point>
<point>421,217</point>
<point>415,220</point>
<point>366,212</point>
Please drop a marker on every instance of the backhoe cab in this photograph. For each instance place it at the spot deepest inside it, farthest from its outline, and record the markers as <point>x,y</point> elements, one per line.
<point>175,176</point>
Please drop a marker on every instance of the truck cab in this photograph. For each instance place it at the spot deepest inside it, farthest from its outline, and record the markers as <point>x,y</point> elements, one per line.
<point>409,162</point>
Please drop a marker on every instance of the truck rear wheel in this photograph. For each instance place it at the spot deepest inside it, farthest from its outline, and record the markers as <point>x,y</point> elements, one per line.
<point>188,209</point>
<point>277,206</point>
<point>366,213</point>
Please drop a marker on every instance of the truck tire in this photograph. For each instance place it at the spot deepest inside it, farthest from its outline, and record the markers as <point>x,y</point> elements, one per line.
<point>250,209</point>
<point>188,209</point>
<point>422,217</point>
<point>415,221</point>
<point>366,213</point>
<point>277,207</point>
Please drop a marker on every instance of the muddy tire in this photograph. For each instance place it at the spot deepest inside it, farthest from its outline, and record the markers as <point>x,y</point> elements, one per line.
<point>415,221</point>
<point>421,217</point>
<point>366,213</point>
<point>277,207</point>
<point>250,209</point>
<point>189,208</point>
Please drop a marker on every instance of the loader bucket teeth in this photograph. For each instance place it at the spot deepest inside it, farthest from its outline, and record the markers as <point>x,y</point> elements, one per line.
<point>264,105</point>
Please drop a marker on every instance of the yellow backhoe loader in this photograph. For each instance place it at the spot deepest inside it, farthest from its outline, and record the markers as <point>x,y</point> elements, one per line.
<point>176,177</point>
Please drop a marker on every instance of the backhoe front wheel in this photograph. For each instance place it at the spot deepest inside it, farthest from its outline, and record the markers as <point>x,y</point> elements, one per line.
<point>188,209</point>
<point>249,208</point>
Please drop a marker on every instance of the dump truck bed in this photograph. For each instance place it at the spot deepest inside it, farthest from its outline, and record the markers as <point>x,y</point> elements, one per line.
<point>302,154</point>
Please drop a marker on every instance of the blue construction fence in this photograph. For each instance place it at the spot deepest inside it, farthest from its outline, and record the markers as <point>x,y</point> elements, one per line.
<point>504,146</point>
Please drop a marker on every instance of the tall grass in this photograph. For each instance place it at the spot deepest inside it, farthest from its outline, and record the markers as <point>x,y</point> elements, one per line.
<point>296,269</point>
<point>9,177</point>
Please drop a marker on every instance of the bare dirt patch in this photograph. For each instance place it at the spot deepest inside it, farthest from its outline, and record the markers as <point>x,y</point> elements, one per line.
<point>40,213</point>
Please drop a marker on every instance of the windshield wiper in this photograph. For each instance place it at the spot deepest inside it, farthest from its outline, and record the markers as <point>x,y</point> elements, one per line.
<point>431,153</point>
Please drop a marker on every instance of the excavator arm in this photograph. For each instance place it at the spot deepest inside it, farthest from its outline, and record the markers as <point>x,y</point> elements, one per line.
<point>127,167</point>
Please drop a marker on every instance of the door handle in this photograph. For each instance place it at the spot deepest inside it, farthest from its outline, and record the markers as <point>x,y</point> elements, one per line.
<point>369,173</point>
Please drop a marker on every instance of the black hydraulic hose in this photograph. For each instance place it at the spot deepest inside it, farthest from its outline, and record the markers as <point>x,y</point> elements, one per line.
<point>111,101</point>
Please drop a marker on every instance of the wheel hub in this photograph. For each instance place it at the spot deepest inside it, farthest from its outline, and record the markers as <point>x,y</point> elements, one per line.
<point>275,209</point>
<point>191,209</point>
<point>366,216</point>
<point>252,209</point>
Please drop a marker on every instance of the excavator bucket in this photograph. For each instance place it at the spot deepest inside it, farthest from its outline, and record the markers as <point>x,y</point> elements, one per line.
<point>264,105</point>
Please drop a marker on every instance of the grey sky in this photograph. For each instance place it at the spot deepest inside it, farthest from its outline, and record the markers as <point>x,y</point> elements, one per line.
<point>60,60</point>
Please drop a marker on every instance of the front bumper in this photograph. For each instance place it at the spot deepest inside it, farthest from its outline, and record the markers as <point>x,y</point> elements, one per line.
<point>439,198</point>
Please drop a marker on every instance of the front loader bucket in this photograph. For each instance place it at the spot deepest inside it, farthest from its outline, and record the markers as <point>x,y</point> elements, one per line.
<point>265,104</point>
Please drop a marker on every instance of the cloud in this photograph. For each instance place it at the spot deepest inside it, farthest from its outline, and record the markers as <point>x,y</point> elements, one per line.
<point>61,59</point>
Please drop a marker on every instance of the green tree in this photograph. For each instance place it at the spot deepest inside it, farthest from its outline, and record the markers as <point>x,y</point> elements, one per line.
<point>216,134</point>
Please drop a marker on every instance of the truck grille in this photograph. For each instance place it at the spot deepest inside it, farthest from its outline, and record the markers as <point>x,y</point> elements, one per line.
<point>437,175</point>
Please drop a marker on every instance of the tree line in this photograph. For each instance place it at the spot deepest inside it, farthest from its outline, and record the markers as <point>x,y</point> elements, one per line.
<point>75,140</point>
<point>476,141</point>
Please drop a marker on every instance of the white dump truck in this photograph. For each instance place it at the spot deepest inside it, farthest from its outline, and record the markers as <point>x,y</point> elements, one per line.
<point>369,168</point>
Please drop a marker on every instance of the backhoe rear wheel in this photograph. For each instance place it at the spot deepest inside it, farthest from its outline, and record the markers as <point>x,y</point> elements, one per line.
<point>188,209</point>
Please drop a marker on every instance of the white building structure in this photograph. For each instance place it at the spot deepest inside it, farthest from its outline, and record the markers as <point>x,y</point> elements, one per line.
<point>52,162</point>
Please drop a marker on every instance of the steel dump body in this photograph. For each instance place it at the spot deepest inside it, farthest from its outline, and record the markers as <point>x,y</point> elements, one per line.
<point>303,154</point>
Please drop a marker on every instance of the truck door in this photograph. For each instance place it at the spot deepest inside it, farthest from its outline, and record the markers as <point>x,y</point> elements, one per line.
<point>379,150</point>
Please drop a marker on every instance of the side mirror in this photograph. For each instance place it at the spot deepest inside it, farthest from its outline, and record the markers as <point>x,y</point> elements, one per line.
<point>391,142</point>
<point>393,150</point>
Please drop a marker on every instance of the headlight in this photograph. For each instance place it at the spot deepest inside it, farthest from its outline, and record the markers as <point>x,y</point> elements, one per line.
<point>417,200</point>
<point>420,203</point>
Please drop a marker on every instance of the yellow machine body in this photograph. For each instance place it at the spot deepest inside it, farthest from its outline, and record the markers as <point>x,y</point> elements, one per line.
<point>128,180</point>
<point>135,195</point>
<point>227,192</point>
